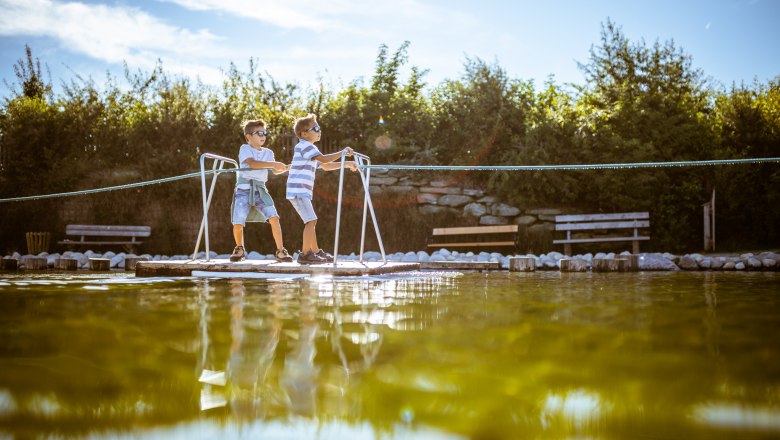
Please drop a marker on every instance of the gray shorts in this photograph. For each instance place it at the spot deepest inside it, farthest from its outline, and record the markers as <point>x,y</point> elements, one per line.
<point>304,209</point>
<point>263,202</point>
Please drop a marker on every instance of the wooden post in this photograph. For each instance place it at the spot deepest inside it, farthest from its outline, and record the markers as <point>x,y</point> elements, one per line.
<point>574,265</point>
<point>9,264</point>
<point>632,262</point>
<point>130,262</point>
<point>567,248</point>
<point>709,224</point>
<point>99,264</point>
<point>522,264</point>
<point>66,264</point>
<point>35,263</point>
<point>606,265</point>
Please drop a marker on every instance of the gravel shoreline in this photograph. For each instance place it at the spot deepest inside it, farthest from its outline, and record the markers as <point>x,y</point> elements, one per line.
<point>762,261</point>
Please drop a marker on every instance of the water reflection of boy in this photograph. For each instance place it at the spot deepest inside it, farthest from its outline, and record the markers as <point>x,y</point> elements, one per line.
<point>252,350</point>
<point>299,377</point>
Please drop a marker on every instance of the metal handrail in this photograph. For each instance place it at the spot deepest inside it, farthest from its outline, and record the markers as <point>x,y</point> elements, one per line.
<point>363,162</point>
<point>219,163</point>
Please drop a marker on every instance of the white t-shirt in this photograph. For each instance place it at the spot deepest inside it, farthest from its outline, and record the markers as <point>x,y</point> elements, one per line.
<point>263,155</point>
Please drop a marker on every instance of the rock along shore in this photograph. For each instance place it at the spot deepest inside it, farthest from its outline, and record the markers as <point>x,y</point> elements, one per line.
<point>764,261</point>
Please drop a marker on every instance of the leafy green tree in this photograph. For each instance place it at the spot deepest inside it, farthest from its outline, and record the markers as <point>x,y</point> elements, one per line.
<point>747,121</point>
<point>479,117</point>
<point>640,104</point>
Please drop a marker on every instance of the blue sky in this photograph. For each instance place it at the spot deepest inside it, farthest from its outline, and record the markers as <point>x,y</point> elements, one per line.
<point>337,40</point>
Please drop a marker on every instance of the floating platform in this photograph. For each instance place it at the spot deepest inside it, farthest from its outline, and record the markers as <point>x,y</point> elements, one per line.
<point>184,268</point>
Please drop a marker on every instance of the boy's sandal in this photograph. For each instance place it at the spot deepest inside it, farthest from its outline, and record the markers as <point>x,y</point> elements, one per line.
<point>282,255</point>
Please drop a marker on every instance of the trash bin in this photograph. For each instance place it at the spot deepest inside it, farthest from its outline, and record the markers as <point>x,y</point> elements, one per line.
<point>38,242</point>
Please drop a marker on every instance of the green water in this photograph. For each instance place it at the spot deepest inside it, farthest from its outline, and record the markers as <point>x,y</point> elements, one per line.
<point>444,355</point>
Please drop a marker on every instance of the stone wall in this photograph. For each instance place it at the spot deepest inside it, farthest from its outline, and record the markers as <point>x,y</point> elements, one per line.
<point>435,196</point>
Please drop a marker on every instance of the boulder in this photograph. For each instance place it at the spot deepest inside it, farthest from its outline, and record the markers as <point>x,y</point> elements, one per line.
<point>475,209</point>
<point>454,200</point>
<point>688,262</point>
<point>423,198</point>
<point>504,210</point>
<point>435,190</point>
<point>656,262</point>
<point>473,192</point>
<point>754,263</point>
<point>487,199</point>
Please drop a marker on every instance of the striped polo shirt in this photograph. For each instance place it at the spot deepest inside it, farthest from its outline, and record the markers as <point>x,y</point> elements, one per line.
<point>300,181</point>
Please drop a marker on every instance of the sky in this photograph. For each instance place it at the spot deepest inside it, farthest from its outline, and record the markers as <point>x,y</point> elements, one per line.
<point>337,41</point>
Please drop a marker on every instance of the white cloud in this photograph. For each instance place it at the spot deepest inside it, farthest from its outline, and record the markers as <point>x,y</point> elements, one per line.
<point>110,34</point>
<point>349,16</point>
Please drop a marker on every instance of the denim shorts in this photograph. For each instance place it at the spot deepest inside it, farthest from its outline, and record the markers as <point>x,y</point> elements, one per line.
<point>263,202</point>
<point>304,209</point>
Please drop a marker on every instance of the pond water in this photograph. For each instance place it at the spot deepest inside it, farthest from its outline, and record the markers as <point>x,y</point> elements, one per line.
<point>415,355</point>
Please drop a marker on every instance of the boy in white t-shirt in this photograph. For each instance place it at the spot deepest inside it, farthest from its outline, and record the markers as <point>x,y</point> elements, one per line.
<point>251,201</point>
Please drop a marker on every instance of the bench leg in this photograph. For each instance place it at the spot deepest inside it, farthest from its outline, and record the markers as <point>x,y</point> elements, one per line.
<point>567,249</point>
<point>635,247</point>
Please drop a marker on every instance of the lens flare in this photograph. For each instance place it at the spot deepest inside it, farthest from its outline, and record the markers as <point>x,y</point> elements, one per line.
<point>383,142</point>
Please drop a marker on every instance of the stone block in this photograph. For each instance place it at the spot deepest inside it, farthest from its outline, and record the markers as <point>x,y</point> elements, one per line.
<point>426,198</point>
<point>435,190</point>
<point>504,210</point>
<point>475,209</point>
<point>454,200</point>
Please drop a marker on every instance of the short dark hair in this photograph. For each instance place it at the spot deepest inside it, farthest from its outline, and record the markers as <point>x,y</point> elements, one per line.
<point>252,125</point>
<point>304,123</point>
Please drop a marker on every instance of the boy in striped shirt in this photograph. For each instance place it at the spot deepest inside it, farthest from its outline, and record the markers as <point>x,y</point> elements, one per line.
<point>300,183</point>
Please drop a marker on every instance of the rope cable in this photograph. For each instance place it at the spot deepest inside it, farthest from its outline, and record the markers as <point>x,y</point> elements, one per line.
<point>430,168</point>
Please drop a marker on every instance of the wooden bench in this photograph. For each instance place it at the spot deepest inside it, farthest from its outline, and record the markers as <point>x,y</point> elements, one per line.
<point>601,223</point>
<point>106,235</point>
<point>475,237</point>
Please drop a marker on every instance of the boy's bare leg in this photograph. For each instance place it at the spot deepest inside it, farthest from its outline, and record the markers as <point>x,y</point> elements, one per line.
<point>238,234</point>
<point>276,231</point>
<point>309,237</point>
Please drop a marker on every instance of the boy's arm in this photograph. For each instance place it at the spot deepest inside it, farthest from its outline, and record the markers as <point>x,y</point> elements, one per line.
<point>351,165</point>
<point>328,158</point>
<point>277,167</point>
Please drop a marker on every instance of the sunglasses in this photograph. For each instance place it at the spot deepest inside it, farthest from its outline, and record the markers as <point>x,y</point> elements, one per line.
<point>316,128</point>
<point>260,132</point>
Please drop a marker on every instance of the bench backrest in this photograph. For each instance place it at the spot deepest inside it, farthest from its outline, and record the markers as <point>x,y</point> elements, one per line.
<point>584,222</point>
<point>109,230</point>
<point>497,229</point>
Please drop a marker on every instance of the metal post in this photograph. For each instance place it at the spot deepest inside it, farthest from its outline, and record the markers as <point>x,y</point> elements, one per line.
<point>219,162</point>
<point>359,160</point>
<point>365,208</point>
<point>371,208</point>
<point>338,210</point>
